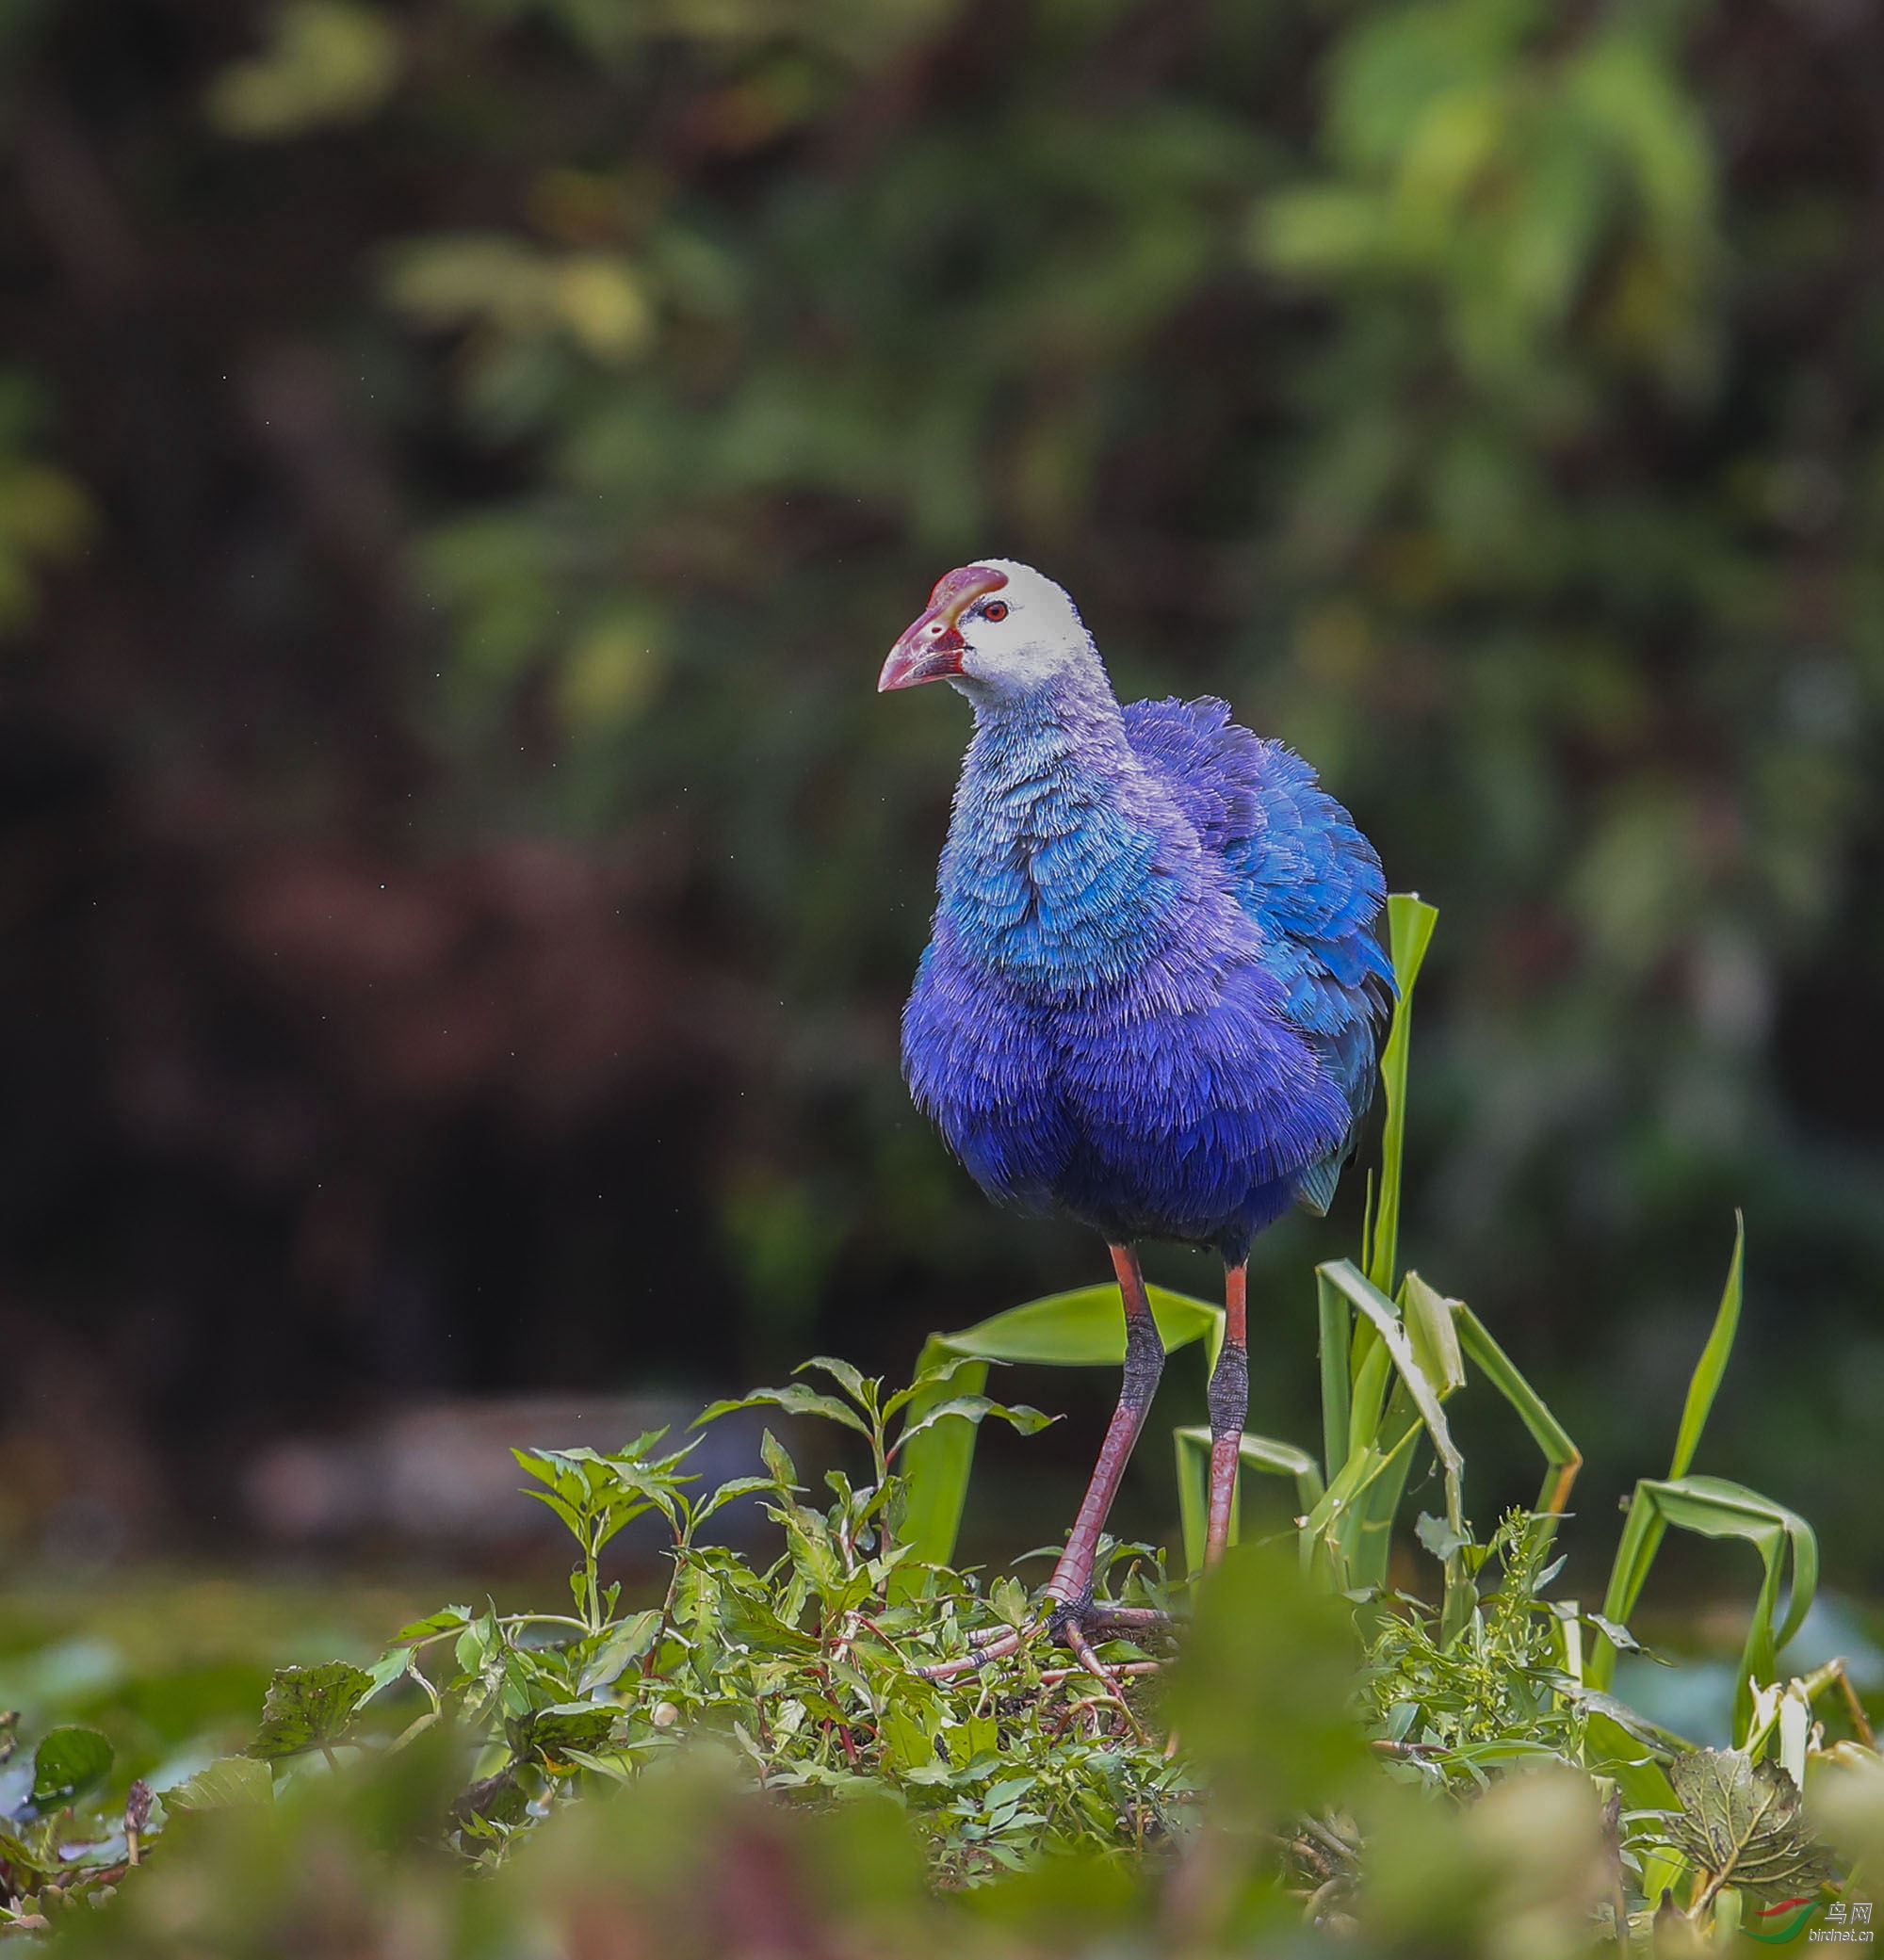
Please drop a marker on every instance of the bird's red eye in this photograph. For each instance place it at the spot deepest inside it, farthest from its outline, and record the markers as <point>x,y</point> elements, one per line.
<point>995,609</point>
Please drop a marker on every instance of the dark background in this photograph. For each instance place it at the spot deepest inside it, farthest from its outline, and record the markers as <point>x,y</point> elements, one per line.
<point>462,464</point>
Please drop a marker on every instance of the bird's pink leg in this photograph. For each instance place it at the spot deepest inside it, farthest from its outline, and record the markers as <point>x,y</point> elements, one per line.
<point>1229,1409</point>
<point>1071,1616</point>
<point>1070,1589</point>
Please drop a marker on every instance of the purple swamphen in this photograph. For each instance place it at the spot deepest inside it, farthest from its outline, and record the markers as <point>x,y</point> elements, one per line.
<point>1153,996</point>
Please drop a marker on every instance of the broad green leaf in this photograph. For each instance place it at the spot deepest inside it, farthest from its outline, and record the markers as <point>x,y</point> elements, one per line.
<point>1617,1635</point>
<point>1084,1328</point>
<point>1743,1824</point>
<point>308,1707</point>
<point>70,1762</point>
<point>935,1465</point>
<point>227,1784</point>
<point>978,1735</point>
<point>730,1492</point>
<point>1378,1309</point>
<point>908,1744</point>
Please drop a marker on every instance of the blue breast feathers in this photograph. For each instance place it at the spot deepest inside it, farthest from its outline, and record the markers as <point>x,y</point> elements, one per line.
<point>1150,1000</point>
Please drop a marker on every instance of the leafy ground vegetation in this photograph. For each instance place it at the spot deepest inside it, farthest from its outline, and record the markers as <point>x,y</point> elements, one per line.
<point>757,1763</point>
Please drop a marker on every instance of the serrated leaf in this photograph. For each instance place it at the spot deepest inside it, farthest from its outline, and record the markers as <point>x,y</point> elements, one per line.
<point>308,1707</point>
<point>69,1761</point>
<point>1743,1824</point>
<point>227,1784</point>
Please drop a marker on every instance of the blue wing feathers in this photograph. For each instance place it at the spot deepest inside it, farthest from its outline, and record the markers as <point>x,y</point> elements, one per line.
<point>1303,872</point>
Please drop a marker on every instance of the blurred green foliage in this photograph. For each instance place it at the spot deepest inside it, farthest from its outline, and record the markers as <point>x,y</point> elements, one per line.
<point>1484,396</point>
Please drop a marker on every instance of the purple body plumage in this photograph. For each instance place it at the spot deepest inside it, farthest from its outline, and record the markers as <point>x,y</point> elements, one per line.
<point>1152,997</point>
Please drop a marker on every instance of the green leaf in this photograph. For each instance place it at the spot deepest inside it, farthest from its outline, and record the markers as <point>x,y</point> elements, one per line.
<point>1409,924</point>
<point>907,1741</point>
<point>1712,1507</point>
<point>730,1492</point>
<point>229,1783</point>
<point>628,1642</point>
<point>443,1621</point>
<point>1430,1328</point>
<point>391,1666</point>
<point>1617,1635</point>
<point>1438,1537</point>
<point>1082,1329</point>
<point>929,1375</point>
<point>544,1735</point>
<point>978,1735</point>
<point>795,1399</point>
<point>70,1762</point>
<point>308,1707</point>
<point>935,1465</point>
<point>848,1378</point>
<point>1709,1369</point>
<point>975,1408</point>
<point>777,1460</point>
<point>1743,1824</point>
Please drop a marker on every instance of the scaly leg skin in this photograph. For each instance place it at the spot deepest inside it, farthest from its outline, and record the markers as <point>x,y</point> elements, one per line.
<point>1229,1410</point>
<point>1071,1616</point>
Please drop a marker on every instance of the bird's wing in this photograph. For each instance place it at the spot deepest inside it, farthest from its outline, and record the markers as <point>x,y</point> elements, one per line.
<point>1304,873</point>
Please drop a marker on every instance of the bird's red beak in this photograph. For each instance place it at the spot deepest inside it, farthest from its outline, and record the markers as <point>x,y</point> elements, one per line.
<point>932,648</point>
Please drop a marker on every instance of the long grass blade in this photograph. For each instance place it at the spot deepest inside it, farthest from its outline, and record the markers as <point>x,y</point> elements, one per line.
<point>1335,1318</point>
<point>1705,1382</point>
<point>1409,923</point>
